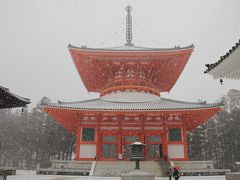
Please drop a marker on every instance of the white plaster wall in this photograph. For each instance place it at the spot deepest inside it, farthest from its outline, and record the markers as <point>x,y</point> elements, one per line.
<point>87,150</point>
<point>176,151</point>
<point>130,97</point>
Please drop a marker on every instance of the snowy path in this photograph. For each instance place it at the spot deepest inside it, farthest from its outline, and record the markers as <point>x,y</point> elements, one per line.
<point>31,175</point>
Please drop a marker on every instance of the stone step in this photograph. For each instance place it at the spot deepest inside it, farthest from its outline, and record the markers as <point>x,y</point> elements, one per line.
<point>66,164</point>
<point>116,168</point>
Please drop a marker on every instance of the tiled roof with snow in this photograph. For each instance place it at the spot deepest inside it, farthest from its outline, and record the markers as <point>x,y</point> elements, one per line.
<point>131,48</point>
<point>11,100</point>
<point>160,104</point>
<point>228,66</point>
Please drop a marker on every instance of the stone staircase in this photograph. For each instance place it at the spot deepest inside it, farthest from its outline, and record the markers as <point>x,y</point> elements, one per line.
<point>165,165</point>
<point>116,168</point>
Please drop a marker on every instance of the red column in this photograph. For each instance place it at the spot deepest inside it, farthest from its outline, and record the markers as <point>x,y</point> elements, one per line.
<point>99,139</point>
<point>165,138</point>
<point>143,133</point>
<point>78,142</point>
<point>119,144</point>
<point>185,143</point>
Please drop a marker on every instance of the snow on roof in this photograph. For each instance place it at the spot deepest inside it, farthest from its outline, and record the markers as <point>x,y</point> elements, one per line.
<point>160,104</point>
<point>228,66</point>
<point>11,100</point>
<point>130,48</point>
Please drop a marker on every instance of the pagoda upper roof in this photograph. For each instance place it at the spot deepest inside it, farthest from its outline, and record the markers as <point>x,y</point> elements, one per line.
<point>161,104</point>
<point>228,66</point>
<point>96,66</point>
<point>11,100</point>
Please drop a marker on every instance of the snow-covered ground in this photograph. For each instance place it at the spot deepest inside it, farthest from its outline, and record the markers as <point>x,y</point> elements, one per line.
<point>31,175</point>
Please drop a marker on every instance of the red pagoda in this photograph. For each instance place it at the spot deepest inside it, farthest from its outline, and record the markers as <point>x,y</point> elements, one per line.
<point>130,79</point>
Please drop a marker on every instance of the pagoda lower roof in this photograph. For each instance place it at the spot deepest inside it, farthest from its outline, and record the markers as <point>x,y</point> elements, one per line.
<point>100,104</point>
<point>11,100</point>
<point>69,113</point>
<point>228,66</point>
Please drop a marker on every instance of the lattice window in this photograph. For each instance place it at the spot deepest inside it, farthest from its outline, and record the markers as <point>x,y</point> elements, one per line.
<point>105,118</point>
<point>118,74</point>
<point>92,118</point>
<point>130,73</point>
<point>109,151</point>
<point>136,119</point>
<point>114,118</point>
<point>126,118</point>
<point>127,151</point>
<point>175,134</point>
<point>85,118</point>
<point>142,74</point>
<point>153,139</point>
<point>88,134</point>
<point>109,139</point>
<point>154,151</point>
<point>130,138</point>
<point>158,118</point>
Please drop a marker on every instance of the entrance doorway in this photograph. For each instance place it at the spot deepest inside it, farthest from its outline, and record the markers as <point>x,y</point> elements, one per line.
<point>154,147</point>
<point>109,147</point>
<point>154,151</point>
<point>109,151</point>
<point>127,141</point>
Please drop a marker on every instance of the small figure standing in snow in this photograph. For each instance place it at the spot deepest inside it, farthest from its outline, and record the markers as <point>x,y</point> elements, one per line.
<point>176,174</point>
<point>170,173</point>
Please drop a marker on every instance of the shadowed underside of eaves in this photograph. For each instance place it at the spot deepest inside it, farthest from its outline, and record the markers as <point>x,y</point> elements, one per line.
<point>11,100</point>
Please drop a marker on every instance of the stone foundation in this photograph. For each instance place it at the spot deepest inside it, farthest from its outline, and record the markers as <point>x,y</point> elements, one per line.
<point>232,176</point>
<point>196,168</point>
<point>137,175</point>
<point>117,168</point>
<point>67,168</point>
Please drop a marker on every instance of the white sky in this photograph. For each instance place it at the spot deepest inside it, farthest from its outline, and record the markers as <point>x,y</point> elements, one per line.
<point>34,35</point>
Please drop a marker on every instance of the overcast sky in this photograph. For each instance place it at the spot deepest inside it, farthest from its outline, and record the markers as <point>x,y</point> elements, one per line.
<point>34,35</point>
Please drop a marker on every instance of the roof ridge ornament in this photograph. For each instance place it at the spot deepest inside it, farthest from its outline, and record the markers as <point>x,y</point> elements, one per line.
<point>129,26</point>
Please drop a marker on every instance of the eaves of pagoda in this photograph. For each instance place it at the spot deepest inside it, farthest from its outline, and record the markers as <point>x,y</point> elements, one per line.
<point>191,114</point>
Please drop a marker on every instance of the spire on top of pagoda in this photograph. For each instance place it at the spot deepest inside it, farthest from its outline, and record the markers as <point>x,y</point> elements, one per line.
<point>129,26</point>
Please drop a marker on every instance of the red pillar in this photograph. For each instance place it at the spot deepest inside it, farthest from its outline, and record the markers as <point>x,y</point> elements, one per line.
<point>99,139</point>
<point>185,143</point>
<point>165,139</point>
<point>120,138</point>
<point>78,142</point>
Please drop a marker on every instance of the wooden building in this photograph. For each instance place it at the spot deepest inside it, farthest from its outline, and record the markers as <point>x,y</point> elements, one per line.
<point>11,100</point>
<point>130,80</point>
<point>228,66</point>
